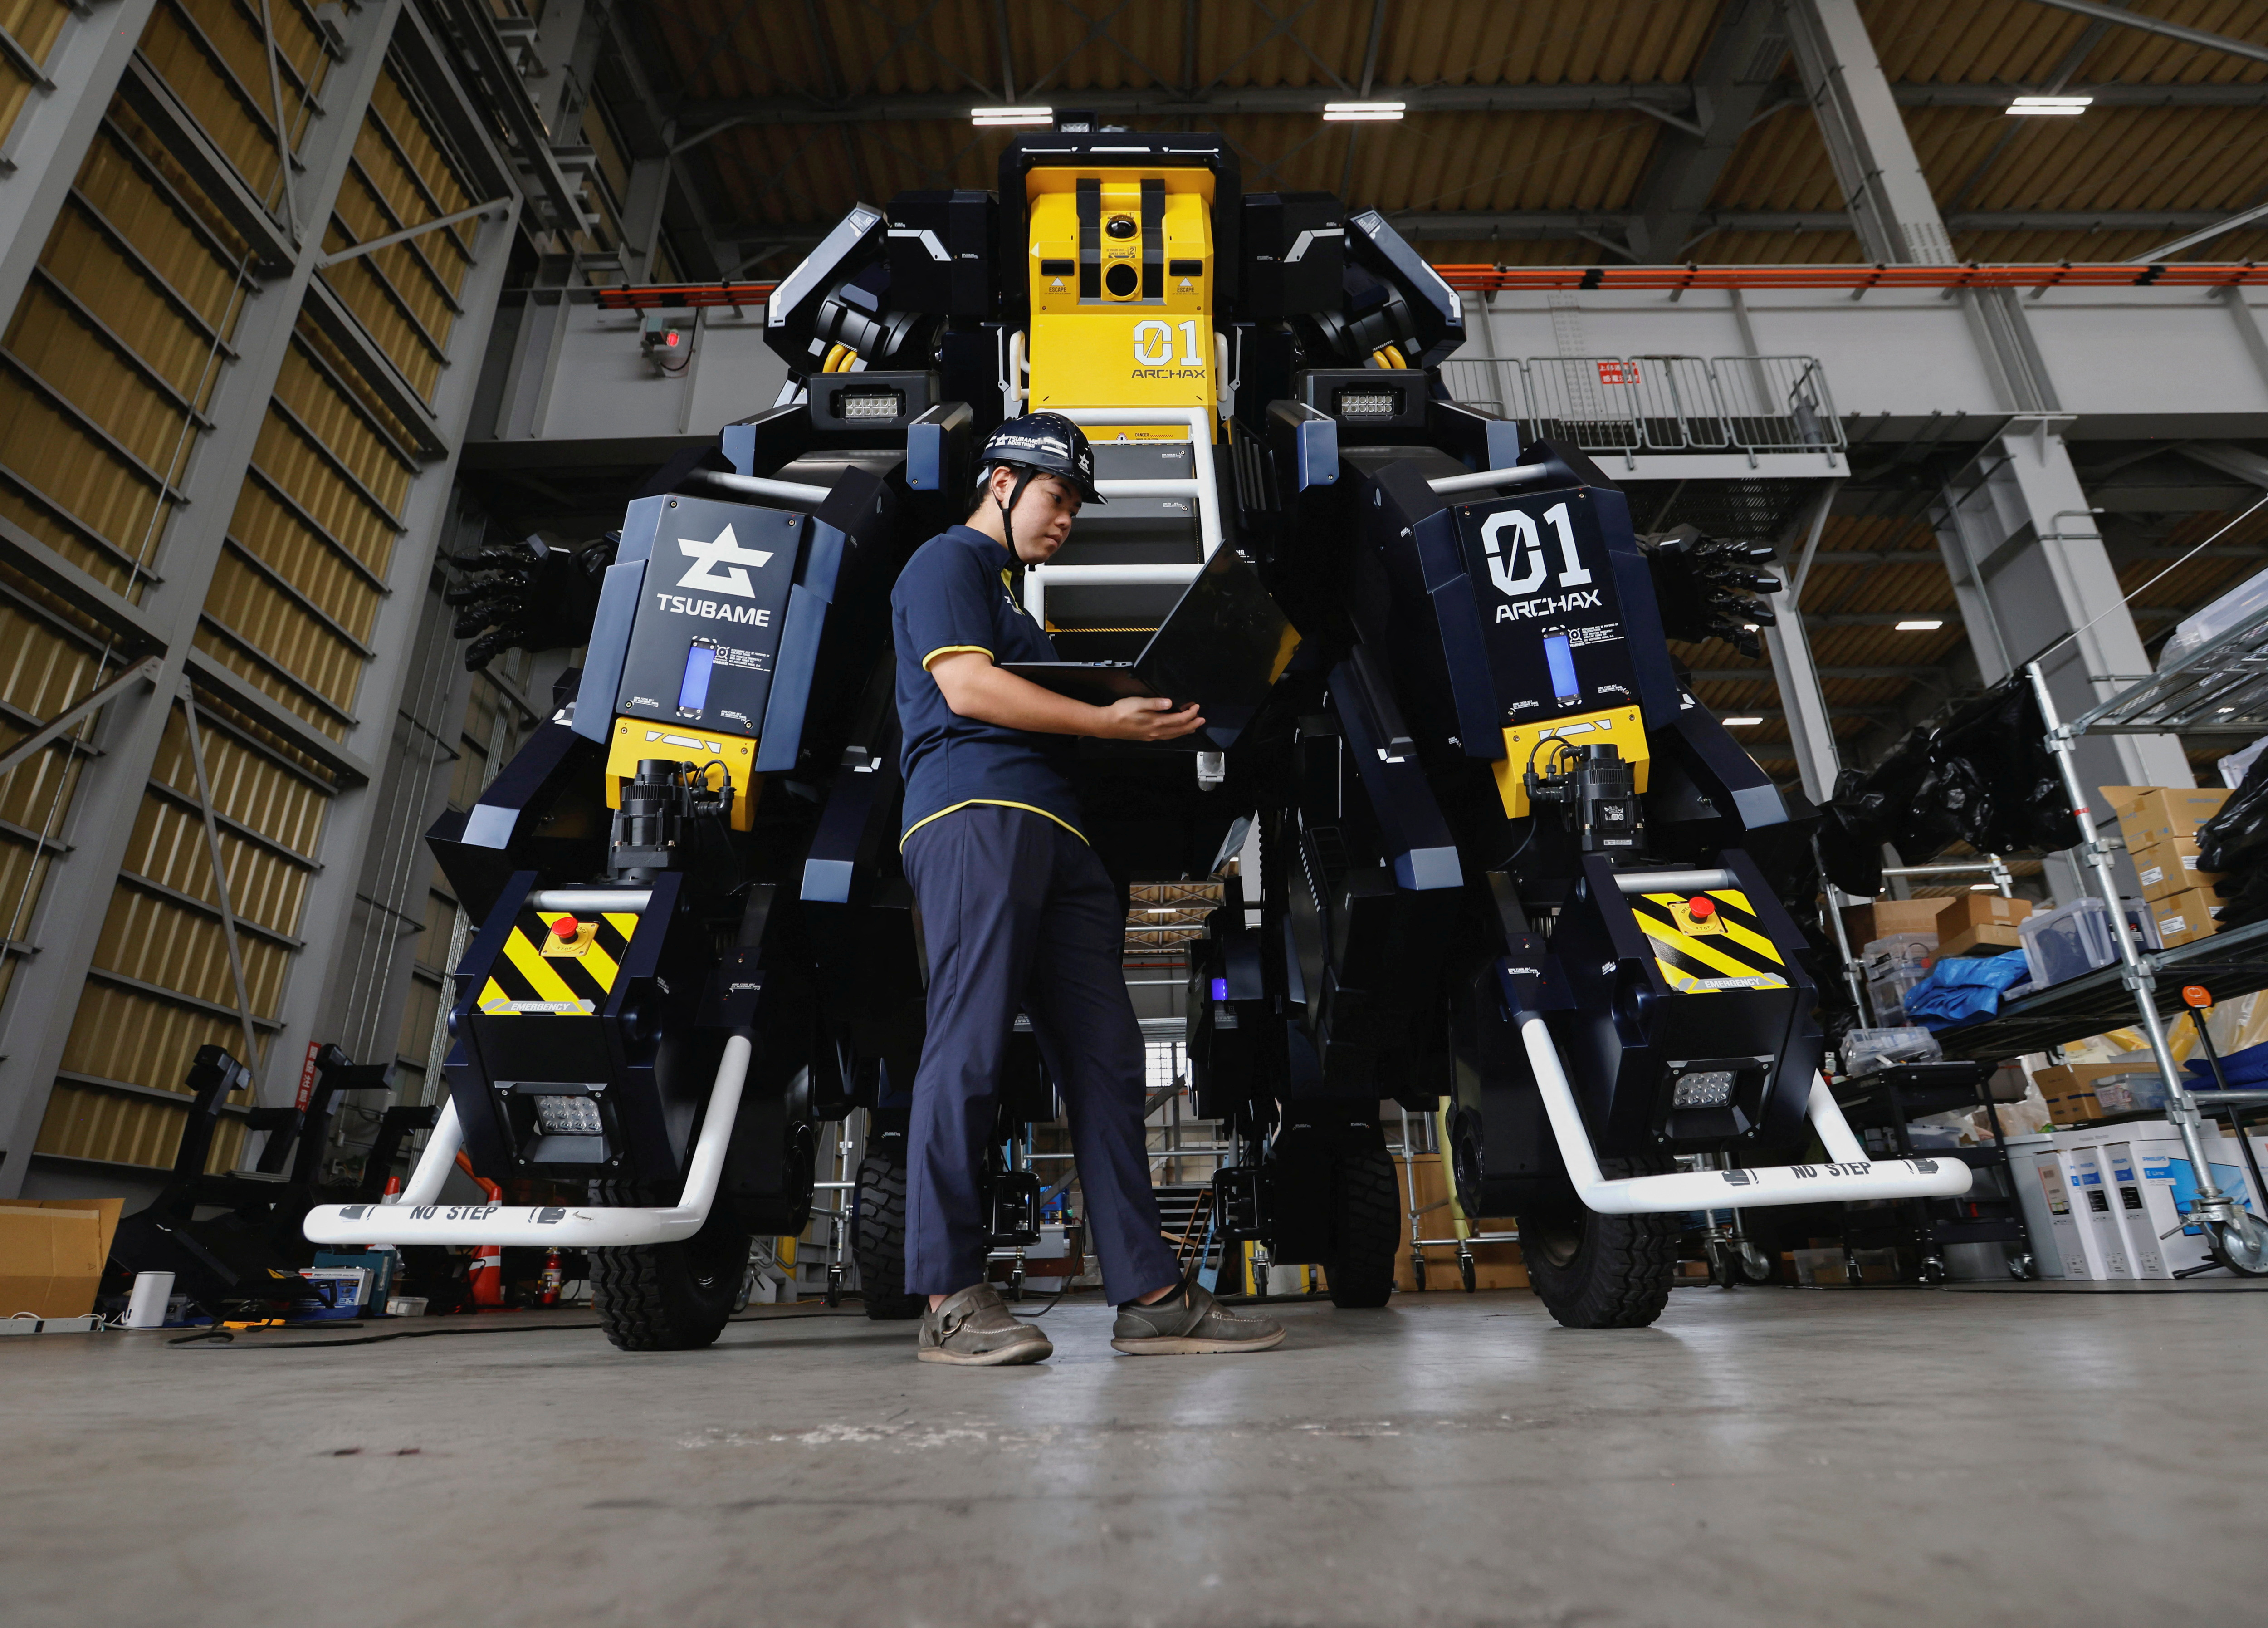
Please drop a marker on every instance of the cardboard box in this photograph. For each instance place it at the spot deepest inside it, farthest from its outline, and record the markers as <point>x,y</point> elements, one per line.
<point>2153,813</point>
<point>1495,1266</point>
<point>2092,1203</point>
<point>1981,924</point>
<point>1866,923</point>
<point>1986,939</point>
<point>2169,866</point>
<point>52,1252</point>
<point>2078,1079</point>
<point>1980,909</point>
<point>2189,914</point>
<point>2080,1108</point>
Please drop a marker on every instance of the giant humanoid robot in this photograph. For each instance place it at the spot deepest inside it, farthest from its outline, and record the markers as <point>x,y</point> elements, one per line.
<point>1509,871</point>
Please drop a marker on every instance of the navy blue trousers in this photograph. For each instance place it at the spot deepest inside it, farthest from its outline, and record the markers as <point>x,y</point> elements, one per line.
<point>1017,912</point>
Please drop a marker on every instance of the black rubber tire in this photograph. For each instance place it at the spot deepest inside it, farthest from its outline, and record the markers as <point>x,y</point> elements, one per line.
<point>1418,1270</point>
<point>1601,1271</point>
<point>1366,1223</point>
<point>881,1239</point>
<point>1466,1275</point>
<point>666,1296</point>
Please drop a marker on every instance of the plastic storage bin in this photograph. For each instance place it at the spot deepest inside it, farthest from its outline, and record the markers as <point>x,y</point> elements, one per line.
<point>2244,603</point>
<point>2143,1091</point>
<point>1867,1049</point>
<point>2067,942</point>
<point>1898,949</point>
<point>2074,938</point>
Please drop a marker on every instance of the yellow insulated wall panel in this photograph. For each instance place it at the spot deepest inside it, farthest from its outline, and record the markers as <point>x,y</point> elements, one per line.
<point>130,292</point>
<point>212,55</point>
<point>35,25</point>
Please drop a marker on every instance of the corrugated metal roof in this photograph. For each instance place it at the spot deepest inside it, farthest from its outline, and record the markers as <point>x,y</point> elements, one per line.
<point>2127,158</point>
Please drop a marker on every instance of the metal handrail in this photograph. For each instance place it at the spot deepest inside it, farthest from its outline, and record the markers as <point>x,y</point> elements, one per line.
<point>1201,485</point>
<point>1658,402</point>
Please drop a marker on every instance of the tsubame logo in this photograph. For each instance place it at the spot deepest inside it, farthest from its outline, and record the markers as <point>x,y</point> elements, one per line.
<point>716,565</point>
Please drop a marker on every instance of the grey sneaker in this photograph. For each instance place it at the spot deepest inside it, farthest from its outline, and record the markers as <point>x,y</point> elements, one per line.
<point>1190,1322</point>
<point>975,1329</point>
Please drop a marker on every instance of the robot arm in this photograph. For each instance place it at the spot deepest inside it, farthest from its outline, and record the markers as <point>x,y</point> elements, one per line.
<point>1708,587</point>
<point>527,595</point>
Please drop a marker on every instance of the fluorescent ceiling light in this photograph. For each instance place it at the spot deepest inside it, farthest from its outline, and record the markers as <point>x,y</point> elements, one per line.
<point>2063,107</point>
<point>995,118</point>
<point>1918,626</point>
<point>1340,113</point>
<point>1983,886</point>
<point>1739,723</point>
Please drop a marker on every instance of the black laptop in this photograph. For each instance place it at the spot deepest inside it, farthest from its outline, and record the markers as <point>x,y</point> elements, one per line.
<point>1222,647</point>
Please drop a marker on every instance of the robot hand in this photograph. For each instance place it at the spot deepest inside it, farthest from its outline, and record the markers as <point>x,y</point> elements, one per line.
<point>527,595</point>
<point>1708,587</point>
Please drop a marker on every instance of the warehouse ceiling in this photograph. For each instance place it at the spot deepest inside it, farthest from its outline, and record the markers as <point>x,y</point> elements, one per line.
<point>1545,132</point>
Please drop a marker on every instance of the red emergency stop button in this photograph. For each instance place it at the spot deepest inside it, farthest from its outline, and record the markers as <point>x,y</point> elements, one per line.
<point>566,927</point>
<point>1701,907</point>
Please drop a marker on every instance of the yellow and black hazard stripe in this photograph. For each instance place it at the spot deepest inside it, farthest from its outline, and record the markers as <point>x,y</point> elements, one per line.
<point>542,974</point>
<point>1727,948</point>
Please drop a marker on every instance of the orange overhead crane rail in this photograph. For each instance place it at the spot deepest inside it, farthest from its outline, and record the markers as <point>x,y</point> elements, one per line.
<point>1497,279</point>
<point>683,296</point>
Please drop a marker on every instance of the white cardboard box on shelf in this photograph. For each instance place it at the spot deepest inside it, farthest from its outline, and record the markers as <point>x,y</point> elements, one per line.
<point>2093,1205</point>
<point>2133,1214</point>
<point>2064,1186</point>
<point>2168,1184</point>
<point>2043,1196</point>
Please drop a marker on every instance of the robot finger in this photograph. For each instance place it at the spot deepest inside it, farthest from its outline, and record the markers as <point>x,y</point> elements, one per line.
<point>486,649</point>
<point>477,621</point>
<point>515,559</point>
<point>479,591</point>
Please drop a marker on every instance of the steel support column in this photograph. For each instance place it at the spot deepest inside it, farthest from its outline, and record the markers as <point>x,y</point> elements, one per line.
<point>53,132</point>
<point>1810,725</point>
<point>1867,141</point>
<point>320,997</point>
<point>2034,581</point>
<point>1730,83</point>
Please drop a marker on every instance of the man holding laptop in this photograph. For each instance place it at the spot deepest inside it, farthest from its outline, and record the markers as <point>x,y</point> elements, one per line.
<point>1017,912</point>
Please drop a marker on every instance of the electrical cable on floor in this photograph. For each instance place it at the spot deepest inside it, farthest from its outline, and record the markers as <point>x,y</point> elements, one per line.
<point>215,1339</point>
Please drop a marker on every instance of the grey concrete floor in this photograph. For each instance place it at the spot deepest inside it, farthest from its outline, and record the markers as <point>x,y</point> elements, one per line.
<point>1765,1455</point>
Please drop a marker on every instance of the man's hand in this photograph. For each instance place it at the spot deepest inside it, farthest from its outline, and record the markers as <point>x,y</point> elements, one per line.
<point>1146,717</point>
<point>975,689</point>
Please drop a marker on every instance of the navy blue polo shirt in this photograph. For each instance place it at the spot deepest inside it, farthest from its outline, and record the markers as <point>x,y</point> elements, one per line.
<point>955,594</point>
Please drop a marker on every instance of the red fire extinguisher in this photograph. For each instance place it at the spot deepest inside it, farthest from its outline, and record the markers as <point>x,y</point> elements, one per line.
<point>553,1279</point>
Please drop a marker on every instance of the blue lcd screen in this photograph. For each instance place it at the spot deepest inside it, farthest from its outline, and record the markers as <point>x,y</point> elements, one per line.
<point>1561,658</point>
<point>1220,988</point>
<point>693,689</point>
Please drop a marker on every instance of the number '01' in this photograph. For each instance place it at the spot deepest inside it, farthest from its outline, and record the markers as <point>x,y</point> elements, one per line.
<point>1527,550</point>
<point>1153,345</point>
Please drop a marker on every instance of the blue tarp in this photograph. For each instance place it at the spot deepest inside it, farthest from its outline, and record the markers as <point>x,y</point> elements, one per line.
<point>2247,1070</point>
<point>1961,987</point>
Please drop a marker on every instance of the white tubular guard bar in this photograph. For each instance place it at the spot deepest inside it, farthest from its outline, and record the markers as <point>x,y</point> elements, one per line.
<point>414,1217</point>
<point>1851,1176</point>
